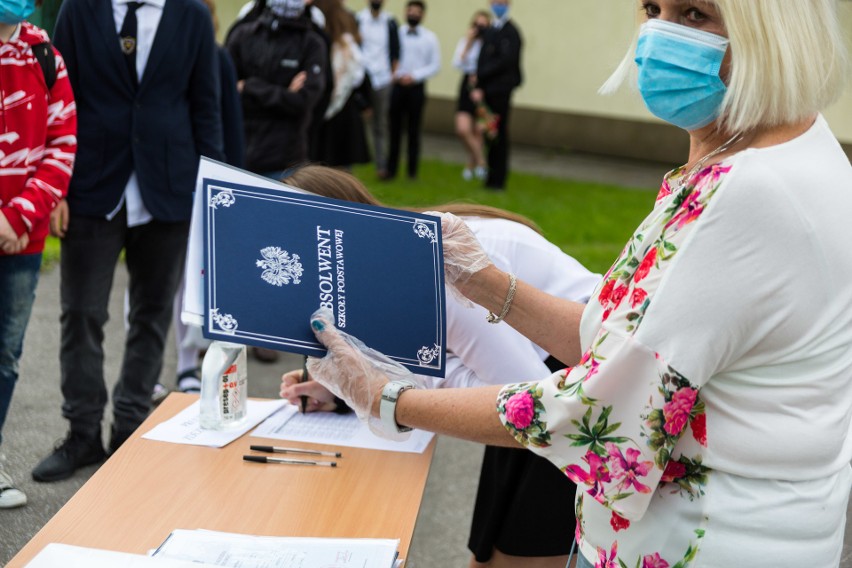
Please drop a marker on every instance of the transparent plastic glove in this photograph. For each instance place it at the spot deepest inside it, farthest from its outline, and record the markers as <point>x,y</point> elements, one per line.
<point>353,371</point>
<point>463,255</point>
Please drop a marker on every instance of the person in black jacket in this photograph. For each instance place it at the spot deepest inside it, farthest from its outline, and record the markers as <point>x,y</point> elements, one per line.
<point>146,83</point>
<point>498,73</point>
<point>281,67</point>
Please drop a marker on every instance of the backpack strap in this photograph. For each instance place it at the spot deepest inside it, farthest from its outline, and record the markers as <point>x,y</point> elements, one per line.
<point>47,60</point>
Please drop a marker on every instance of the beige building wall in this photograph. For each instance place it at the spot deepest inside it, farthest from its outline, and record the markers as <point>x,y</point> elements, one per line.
<point>570,48</point>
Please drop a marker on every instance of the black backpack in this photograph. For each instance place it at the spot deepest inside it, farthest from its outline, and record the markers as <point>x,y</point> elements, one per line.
<point>44,54</point>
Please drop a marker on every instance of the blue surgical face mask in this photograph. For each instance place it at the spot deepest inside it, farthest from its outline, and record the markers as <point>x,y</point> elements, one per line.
<point>15,11</point>
<point>679,73</point>
<point>499,10</point>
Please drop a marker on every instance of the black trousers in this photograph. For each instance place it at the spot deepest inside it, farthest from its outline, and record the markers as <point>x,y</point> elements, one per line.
<point>154,253</point>
<point>498,151</point>
<point>406,107</point>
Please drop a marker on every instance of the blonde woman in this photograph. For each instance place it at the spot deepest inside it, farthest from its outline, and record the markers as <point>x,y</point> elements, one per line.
<point>706,417</point>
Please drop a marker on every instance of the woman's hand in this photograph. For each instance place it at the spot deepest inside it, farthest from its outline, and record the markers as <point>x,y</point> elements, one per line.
<point>320,399</point>
<point>463,255</point>
<point>354,372</point>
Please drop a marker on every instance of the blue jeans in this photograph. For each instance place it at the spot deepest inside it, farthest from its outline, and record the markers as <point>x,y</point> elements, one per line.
<point>18,279</point>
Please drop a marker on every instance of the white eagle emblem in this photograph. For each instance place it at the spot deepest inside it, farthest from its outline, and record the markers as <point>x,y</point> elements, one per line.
<point>279,267</point>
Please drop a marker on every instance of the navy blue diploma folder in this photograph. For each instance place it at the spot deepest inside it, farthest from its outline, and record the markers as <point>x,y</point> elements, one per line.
<point>273,257</point>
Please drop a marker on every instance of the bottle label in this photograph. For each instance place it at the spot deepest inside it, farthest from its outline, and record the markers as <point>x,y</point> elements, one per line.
<point>231,395</point>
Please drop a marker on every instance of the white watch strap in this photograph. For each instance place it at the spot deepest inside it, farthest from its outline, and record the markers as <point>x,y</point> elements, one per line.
<point>387,406</point>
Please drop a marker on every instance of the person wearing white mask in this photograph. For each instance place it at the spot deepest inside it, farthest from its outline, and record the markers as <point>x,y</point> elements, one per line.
<point>705,419</point>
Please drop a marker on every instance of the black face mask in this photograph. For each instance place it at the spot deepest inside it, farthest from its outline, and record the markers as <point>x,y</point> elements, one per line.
<point>413,21</point>
<point>376,6</point>
<point>480,30</point>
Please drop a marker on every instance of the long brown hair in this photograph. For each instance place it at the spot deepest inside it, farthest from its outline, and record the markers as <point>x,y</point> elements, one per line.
<point>337,184</point>
<point>338,20</point>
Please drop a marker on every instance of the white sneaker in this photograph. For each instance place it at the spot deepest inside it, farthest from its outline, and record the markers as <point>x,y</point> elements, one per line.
<point>481,172</point>
<point>10,497</point>
<point>467,174</point>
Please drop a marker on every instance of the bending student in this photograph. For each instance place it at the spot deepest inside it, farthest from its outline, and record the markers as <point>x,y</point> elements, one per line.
<point>480,353</point>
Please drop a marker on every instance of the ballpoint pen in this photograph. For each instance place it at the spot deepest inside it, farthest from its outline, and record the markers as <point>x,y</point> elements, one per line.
<point>304,397</point>
<point>280,450</point>
<point>264,459</point>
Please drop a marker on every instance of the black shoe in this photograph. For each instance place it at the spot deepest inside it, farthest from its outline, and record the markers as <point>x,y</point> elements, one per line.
<point>189,381</point>
<point>76,451</point>
<point>117,437</point>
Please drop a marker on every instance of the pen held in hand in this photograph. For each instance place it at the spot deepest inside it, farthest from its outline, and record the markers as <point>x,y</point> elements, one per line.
<point>264,459</point>
<point>279,450</point>
<point>305,377</point>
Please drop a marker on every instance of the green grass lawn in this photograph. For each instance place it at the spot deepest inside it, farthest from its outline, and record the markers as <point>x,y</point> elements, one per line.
<point>591,222</point>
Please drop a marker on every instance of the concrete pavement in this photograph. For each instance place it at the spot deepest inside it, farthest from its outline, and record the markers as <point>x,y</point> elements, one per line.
<point>34,423</point>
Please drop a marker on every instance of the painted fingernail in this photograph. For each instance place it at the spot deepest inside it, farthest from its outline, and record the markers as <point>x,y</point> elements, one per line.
<point>318,325</point>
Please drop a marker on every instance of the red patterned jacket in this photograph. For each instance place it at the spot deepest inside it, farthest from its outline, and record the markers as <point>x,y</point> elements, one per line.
<point>38,137</point>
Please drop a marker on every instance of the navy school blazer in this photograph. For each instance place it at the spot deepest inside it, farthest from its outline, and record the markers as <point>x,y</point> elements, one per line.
<point>158,129</point>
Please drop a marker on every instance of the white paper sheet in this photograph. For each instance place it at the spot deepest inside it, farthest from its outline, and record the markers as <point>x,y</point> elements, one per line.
<point>56,555</point>
<point>185,427</point>
<point>244,551</point>
<point>193,295</point>
<point>336,430</point>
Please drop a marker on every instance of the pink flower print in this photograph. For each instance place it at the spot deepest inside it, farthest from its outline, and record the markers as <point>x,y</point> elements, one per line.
<point>717,170</point>
<point>689,211</point>
<point>628,469</point>
<point>578,531</point>
<point>665,190</point>
<point>618,523</point>
<point>520,409</point>
<point>638,297</point>
<point>593,370</point>
<point>603,561</point>
<point>606,291</point>
<point>654,561</point>
<point>597,475</point>
<point>699,429</point>
<point>674,471</point>
<point>646,264</point>
<point>677,410</point>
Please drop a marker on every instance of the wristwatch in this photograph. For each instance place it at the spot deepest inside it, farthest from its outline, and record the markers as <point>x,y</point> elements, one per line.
<point>387,406</point>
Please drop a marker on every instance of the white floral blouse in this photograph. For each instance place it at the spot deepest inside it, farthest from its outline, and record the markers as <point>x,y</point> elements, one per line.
<point>708,419</point>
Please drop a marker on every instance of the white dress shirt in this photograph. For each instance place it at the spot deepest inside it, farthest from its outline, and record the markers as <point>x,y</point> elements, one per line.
<point>466,62</point>
<point>375,45</point>
<point>147,20</point>
<point>420,54</point>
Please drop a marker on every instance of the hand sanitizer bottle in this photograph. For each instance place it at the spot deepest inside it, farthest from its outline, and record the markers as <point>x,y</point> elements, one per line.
<point>224,386</point>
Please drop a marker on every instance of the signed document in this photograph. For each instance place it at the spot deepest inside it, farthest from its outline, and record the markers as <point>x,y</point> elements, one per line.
<point>272,257</point>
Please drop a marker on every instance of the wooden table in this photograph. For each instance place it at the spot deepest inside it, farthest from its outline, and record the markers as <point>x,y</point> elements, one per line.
<point>149,488</point>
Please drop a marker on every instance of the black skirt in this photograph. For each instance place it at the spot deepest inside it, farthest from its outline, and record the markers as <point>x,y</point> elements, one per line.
<point>464,104</point>
<point>524,504</point>
<point>343,141</point>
